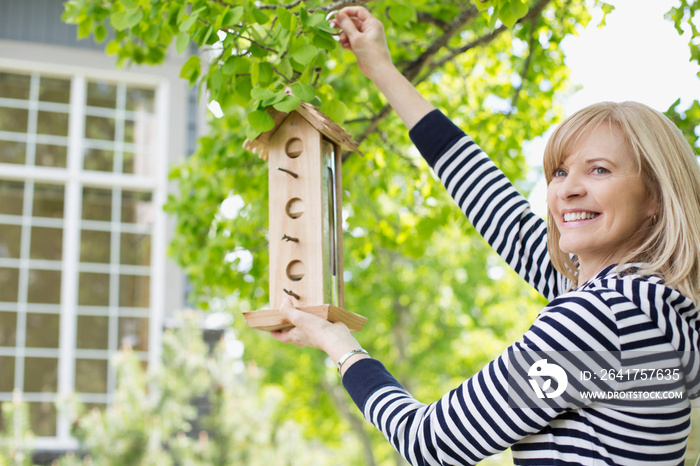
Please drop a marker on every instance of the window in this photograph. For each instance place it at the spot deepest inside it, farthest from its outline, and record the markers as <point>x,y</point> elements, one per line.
<point>79,207</point>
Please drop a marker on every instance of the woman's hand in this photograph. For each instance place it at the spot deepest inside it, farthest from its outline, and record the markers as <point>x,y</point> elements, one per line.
<point>310,330</point>
<point>363,34</point>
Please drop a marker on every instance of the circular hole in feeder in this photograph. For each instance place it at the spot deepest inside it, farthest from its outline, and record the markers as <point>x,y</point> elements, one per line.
<point>295,207</point>
<point>294,148</point>
<point>295,270</point>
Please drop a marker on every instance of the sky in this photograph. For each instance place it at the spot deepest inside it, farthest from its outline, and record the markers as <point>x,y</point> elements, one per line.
<point>637,56</point>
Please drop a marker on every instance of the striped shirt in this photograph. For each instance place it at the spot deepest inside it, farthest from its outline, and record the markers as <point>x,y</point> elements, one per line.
<point>614,314</point>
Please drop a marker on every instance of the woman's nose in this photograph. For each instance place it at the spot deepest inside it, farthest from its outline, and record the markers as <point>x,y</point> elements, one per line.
<point>572,186</point>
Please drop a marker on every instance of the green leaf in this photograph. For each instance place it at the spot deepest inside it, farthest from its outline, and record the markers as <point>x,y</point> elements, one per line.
<point>191,69</point>
<point>84,29</point>
<point>183,40</point>
<point>261,93</point>
<point>153,33</point>
<point>324,40</point>
<point>304,54</point>
<point>303,91</point>
<point>100,32</point>
<point>259,16</point>
<point>518,9</point>
<point>242,88</point>
<point>284,17</point>
<point>285,67</point>
<point>274,98</point>
<point>266,74</point>
<point>233,17</point>
<point>335,109</point>
<point>316,20</point>
<point>187,24</point>
<point>402,14</point>
<point>207,35</point>
<point>125,19</point>
<point>113,47</point>
<point>289,103</point>
<point>257,52</point>
<point>261,121</point>
<point>236,65</point>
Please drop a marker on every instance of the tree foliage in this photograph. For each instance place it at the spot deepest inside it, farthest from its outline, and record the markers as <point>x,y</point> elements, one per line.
<point>439,303</point>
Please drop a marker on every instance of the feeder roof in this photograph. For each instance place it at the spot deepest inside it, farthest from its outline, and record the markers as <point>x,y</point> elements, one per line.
<point>315,118</point>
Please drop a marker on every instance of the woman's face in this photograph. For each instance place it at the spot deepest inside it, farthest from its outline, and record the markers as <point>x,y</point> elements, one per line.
<point>598,200</point>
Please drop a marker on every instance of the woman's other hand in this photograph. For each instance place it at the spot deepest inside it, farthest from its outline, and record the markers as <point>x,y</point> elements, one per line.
<point>363,34</point>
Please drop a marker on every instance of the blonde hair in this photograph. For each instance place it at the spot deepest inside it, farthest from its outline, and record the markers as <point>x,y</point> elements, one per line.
<point>668,246</point>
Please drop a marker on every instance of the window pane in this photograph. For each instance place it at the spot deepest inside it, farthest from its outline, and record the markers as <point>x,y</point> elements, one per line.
<point>101,94</point>
<point>11,197</point>
<point>54,90</point>
<point>12,152</point>
<point>54,123</point>
<point>93,289</point>
<point>97,204</point>
<point>99,128</point>
<point>140,100</point>
<point>40,375</point>
<point>10,281</point>
<point>44,286</point>
<point>133,290</point>
<point>42,330</point>
<point>135,249</point>
<point>133,333</point>
<point>10,236</point>
<point>46,243</point>
<point>137,207</point>
<point>7,369</point>
<point>8,332</point>
<point>99,159</point>
<point>91,376</point>
<point>13,119</point>
<point>48,200</point>
<point>94,246</point>
<point>93,332</point>
<point>42,418</point>
<point>14,86</point>
<point>48,155</point>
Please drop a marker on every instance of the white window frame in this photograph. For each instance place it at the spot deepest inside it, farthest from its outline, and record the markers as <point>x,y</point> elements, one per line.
<point>74,178</point>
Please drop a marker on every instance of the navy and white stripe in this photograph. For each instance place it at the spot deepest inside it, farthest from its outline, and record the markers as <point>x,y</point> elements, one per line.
<point>612,314</point>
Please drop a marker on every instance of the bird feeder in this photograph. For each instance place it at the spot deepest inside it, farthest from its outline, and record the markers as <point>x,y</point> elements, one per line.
<point>303,152</point>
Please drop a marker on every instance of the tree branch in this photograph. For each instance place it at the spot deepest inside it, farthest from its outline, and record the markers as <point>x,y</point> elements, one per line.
<point>526,65</point>
<point>342,4</point>
<point>358,426</point>
<point>432,20</point>
<point>274,7</point>
<point>422,63</point>
<point>453,28</point>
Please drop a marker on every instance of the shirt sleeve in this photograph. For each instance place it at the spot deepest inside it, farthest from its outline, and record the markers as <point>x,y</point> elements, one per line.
<point>490,201</point>
<point>484,415</point>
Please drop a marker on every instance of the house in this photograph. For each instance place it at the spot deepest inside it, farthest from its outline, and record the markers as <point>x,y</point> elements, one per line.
<point>85,149</point>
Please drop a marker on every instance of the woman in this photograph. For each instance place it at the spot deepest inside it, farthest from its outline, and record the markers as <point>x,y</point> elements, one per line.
<point>618,261</point>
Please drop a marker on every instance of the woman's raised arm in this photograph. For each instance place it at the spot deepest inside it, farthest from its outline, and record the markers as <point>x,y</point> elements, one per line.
<point>363,34</point>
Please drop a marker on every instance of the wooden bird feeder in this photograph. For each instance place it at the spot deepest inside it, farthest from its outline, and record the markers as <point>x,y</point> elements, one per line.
<point>303,151</point>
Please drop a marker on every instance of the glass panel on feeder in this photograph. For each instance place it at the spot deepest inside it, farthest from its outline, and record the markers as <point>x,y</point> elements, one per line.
<point>330,278</point>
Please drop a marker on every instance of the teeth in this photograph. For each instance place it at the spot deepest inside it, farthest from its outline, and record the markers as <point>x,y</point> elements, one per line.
<point>574,216</point>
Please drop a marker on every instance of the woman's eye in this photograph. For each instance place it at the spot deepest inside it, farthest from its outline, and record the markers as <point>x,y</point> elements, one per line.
<point>601,171</point>
<point>559,172</point>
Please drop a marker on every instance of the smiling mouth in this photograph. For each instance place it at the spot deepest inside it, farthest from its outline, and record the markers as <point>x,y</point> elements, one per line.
<point>578,216</point>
